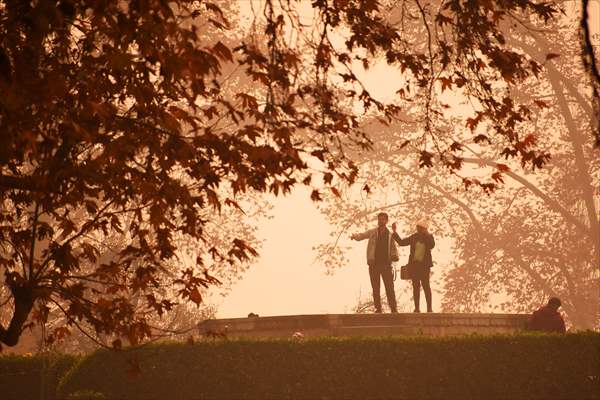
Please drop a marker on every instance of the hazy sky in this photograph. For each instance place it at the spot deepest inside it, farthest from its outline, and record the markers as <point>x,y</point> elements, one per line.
<point>285,280</point>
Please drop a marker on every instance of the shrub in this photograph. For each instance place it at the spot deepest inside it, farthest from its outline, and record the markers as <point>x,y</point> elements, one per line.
<point>32,377</point>
<point>527,366</point>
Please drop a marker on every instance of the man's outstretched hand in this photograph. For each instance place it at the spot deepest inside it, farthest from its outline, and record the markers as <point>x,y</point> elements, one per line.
<point>394,227</point>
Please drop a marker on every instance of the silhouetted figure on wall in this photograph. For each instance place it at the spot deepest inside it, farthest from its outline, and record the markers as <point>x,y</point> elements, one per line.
<point>420,260</point>
<point>547,318</point>
<point>381,251</point>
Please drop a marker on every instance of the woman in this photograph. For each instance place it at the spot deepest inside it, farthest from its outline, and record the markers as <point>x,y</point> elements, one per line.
<point>420,244</point>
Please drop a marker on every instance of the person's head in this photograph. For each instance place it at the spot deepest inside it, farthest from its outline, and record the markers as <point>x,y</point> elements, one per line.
<point>422,225</point>
<point>554,303</point>
<point>382,219</point>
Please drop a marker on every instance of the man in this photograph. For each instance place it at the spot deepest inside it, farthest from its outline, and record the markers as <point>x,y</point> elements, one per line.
<point>381,251</point>
<point>547,318</point>
<point>420,260</point>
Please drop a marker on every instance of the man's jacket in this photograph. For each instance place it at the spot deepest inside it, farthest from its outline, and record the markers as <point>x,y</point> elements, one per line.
<point>372,235</point>
<point>420,247</point>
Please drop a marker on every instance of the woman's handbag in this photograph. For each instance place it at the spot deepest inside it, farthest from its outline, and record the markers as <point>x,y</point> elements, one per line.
<point>407,271</point>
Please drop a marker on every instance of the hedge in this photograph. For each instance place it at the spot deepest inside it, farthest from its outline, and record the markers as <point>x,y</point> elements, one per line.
<point>32,377</point>
<point>526,366</point>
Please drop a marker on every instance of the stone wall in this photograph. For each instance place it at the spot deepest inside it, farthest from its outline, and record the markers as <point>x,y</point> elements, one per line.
<point>435,324</point>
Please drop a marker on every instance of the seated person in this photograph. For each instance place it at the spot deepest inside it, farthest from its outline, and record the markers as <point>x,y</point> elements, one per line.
<point>547,318</point>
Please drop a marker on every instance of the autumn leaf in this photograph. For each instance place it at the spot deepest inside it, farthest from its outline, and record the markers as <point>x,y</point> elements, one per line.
<point>460,82</point>
<point>497,176</point>
<point>213,199</point>
<point>481,138</point>
<point>442,19</point>
<point>472,123</point>
<point>315,195</point>
<point>446,83</point>
<point>318,154</point>
<point>211,112</point>
<point>170,123</point>
<point>467,183</point>
<point>528,141</point>
<point>249,102</point>
<point>502,167</point>
<point>347,77</point>
<point>455,146</point>
<point>195,296</point>
<point>67,226</point>
<point>222,52</point>
<point>178,112</point>
<point>425,159</point>
<point>233,203</point>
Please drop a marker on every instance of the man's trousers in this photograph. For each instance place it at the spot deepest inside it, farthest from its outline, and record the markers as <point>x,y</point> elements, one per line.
<point>384,272</point>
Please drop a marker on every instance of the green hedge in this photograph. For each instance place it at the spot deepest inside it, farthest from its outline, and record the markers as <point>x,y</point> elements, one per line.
<point>31,378</point>
<point>524,366</point>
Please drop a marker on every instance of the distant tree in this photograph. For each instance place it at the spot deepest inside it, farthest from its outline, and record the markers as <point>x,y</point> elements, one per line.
<point>535,236</point>
<point>138,116</point>
<point>591,62</point>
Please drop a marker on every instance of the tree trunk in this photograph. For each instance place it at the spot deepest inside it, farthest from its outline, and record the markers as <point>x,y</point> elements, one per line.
<point>23,300</point>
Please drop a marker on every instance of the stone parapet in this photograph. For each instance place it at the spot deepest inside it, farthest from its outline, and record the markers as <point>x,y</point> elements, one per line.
<point>314,325</point>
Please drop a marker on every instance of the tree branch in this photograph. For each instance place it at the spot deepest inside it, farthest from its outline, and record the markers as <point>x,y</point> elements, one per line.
<point>577,143</point>
<point>74,322</point>
<point>33,233</point>
<point>444,193</point>
<point>567,82</point>
<point>551,202</point>
<point>84,229</point>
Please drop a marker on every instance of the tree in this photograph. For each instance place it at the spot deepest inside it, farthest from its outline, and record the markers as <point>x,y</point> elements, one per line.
<point>555,250</point>
<point>53,330</point>
<point>535,236</point>
<point>128,115</point>
<point>590,62</point>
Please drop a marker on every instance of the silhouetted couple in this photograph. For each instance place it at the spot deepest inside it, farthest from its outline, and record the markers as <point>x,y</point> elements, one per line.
<point>382,251</point>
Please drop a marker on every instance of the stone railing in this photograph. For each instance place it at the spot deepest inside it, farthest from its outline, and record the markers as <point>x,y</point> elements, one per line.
<point>434,324</point>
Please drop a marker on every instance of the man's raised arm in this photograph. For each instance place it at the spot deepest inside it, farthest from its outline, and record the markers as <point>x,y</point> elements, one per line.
<point>361,236</point>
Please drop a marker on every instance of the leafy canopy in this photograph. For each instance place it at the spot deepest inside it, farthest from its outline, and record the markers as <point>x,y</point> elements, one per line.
<point>145,116</point>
